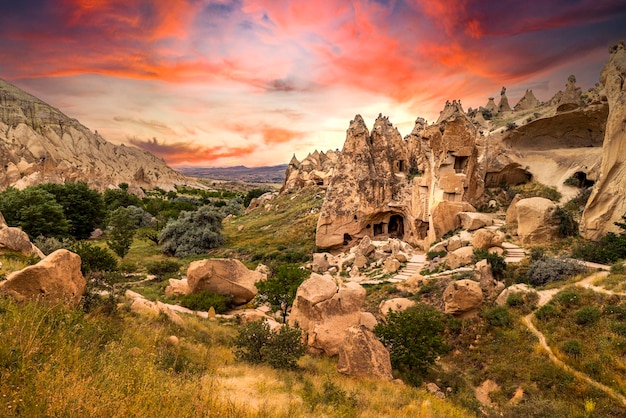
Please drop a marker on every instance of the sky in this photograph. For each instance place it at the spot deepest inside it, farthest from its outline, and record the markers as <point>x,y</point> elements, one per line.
<point>243,82</point>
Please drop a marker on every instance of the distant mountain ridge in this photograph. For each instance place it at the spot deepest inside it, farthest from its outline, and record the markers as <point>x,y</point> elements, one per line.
<point>39,144</point>
<point>267,174</point>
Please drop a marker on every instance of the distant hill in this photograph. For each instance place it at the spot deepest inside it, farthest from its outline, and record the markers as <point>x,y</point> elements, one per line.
<point>40,144</point>
<point>272,174</point>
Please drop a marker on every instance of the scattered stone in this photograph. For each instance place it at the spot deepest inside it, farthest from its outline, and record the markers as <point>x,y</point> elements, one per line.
<point>391,265</point>
<point>483,391</point>
<point>177,288</point>
<point>485,239</point>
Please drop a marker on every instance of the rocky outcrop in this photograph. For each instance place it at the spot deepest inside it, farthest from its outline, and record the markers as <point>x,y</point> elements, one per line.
<point>529,101</point>
<point>463,298</point>
<point>315,169</point>
<point>535,220</point>
<point>260,201</point>
<point>395,305</point>
<point>485,239</point>
<point>177,288</point>
<point>16,240</point>
<point>607,203</point>
<point>571,98</point>
<point>141,306</point>
<point>362,355</point>
<point>324,310</point>
<point>460,257</point>
<point>56,278</point>
<point>471,221</point>
<point>503,106</point>
<point>225,276</point>
<point>491,106</point>
<point>39,144</point>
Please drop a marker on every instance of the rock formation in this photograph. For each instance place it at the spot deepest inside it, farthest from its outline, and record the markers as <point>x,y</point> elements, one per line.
<point>225,276</point>
<point>56,278</point>
<point>362,355</point>
<point>504,106</point>
<point>463,298</point>
<point>535,220</point>
<point>39,144</point>
<point>607,203</point>
<point>16,240</point>
<point>315,170</point>
<point>571,98</point>
<point>491,106</point>
<point>529,101</point>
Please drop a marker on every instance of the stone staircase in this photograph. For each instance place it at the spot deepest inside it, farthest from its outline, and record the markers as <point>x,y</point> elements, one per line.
<point>414,266</point>
<point>514,254</point>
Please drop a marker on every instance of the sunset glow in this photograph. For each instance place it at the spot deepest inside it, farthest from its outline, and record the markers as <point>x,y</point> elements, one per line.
<point>243,82</point>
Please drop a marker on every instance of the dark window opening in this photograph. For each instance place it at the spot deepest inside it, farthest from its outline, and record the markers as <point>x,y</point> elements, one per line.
<point>320,183</point>
<point>421,228</point>
<point>347,238</point>
<point>460,164</point>
<point>583,182</point>
<point>400,165</point>
<point>396,226</point>
<point>355,217</point>
<point>368,226</point>
<point>378,229</point>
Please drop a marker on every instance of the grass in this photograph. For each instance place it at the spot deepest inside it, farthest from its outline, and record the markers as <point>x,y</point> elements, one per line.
<point>614,281</point>
<point>56,361</point>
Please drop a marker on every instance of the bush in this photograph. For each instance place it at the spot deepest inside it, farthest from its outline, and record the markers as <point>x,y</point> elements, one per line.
<point>498,316</point>
<point>414,340</point>
<point>279,290</point>
<point>609,249</point>
<point>163,267</point>
<point>515,299</point>
<point>431,255</point>
<point>547,270</point>
<point>572,348</point>
<point>35,211</point>
<point>256,344</point>
<point>587,315</point>
<point>547,312</point>
<point>94,258</point>
<point>204,300</point>
<point>50,245</point>
<point>253,194</point>
<point>497,263</point>
<point>567,226</point>
<point>568,298</point>
<point>536,189</point>
<point>123,227</point>
<point>192,233</point>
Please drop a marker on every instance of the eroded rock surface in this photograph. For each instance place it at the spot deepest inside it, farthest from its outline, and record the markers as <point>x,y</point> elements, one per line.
<point>362,355</point>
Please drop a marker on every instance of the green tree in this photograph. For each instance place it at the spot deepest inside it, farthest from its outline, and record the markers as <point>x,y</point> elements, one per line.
<point>256,343</point>
<point>123,228</point>
<point>82,206</point>
<point>34,210</point>
<point>279,290</point>
<point>192,233</point>
<point>116,198</point>
<point>414,339</point>
<point>94,258</point>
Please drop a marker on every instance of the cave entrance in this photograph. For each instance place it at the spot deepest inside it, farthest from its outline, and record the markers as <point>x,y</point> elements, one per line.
<point>347,239</point>
<point>378,229</point>
<point>396,226</point>
<point>583,182</point>
<point>422,228</point>
<point>510,175</point>
<point>460,163</point>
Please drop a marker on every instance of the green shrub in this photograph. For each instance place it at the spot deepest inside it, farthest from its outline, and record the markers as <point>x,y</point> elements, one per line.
<point>414,339</point>
<point>498,316</point>
<point>567,226</point>
<point>619,328</point>
<point>279,290</point>
<point>94,258</point>
<point>567,298</point>
<point>547,312</point>
<point>572,181</point>
<point>162,268</point>
<point>35,211</point>
<point>192,233</point>
<point>497,263</point>
<point>123,228</point>
<point>617,268</point>
<point>50,245</point>
<point>255,343</point>
<point>587,315</point>
<point>572,348</point>
<point>431,255</point>
<point>548,270</point>
<point>515,299</point>
<point>331,396</point>
<point>609,249</point>
<point>203,301</point>
<point>536,189</point>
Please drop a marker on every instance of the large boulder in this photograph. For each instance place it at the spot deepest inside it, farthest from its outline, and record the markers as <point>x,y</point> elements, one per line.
<point>463,298</point>
<point>460,257</point>
<point>395,305</point>
<point>147,308</point>
<point>489,285</point>
<point>535,220</point>
<point>485,239</point>
<point>16,240</point>
<point>475,220</point>
<point>56,278</point>
<point>445,216</point>
<point>177,288</point>
<point>324,310</point>
<point>511,212</point>
<point>225,276</point>
<point>362,355</point>
<point>606,205</point>
<point>323,261</point>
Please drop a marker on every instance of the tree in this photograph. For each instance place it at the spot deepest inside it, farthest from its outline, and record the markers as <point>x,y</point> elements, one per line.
<point>116,198</point>
<point>414,339</point>
<point>192,233</point>
<point>279,290</point>
<point>34,210</point>
<point>256,343</point>
<point>82,206</point>
<point>123,230</point>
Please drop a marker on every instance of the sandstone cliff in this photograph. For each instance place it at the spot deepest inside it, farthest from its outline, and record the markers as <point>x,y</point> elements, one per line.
<point>39,144</point>
<point>607,203</point>
<point>315,169</point>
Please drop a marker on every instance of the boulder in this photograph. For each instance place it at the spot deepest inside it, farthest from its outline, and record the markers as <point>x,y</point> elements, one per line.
<point>511,212</point>
<point>368,320</point>
<point>16,240</point>
<point>485,239</point>
<point>360,261</point>
<point>395,305</point>
<point>56,278</point>
<point>147,308</point>
<point>460,257</point>
<point>391,265</point>
<point>362,355</point>
<point>489,285</point>
<point>454,243</point>
<point>177,288</point>
<point>365,247</point>
<point>324,310</point>
<point>463,298</point>
<point>474,220</point>
<point>224,276</point>
<point>445,216</point>
<point>535,220</point>
<point>323,261</point>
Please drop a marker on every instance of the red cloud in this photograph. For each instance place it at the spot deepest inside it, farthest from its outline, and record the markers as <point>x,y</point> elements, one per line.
<point>183,152</point>
<point>269,134</point>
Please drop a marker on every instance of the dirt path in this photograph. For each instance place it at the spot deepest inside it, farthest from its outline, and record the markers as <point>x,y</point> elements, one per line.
<point>544,297</point>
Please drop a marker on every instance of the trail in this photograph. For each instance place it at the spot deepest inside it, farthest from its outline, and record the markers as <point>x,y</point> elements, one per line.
<point>544,297</point>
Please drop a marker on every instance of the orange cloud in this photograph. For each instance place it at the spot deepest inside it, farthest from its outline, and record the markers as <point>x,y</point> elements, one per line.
<point>177,153</point>
<point>269,134</point>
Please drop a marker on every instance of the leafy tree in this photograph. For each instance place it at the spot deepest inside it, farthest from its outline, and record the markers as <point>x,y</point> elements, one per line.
<point>94,258</point>
<point>116,198</point>
<point>82,206</point>
<point>192,233</point>
<point>279,290</point>
<point>252,194</point>
<point>567,226</point>
<point>414,339</point>
<point>256,343</point>
<point>34,210</point>
<point>123,230</point>
<point>204,300</point>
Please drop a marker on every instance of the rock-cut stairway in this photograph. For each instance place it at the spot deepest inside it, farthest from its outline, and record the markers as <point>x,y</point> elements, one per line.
<point>414,266</point>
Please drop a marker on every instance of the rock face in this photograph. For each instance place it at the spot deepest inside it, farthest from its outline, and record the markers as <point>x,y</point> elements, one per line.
<point>607,203</point>
<point>529,101</point>
<point>504,106</point>
<point>463,298</point>
<point>475,220</point>
<point>16,240</point>
<point>363,355</point>
<point>395,305</point>
<point>39,144</point>
<point>315,170</point>
<point>535,222</point>
<point>56,278</point>
<point>325,310</point>
<point>387,186</point>
<point>224,276</point>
